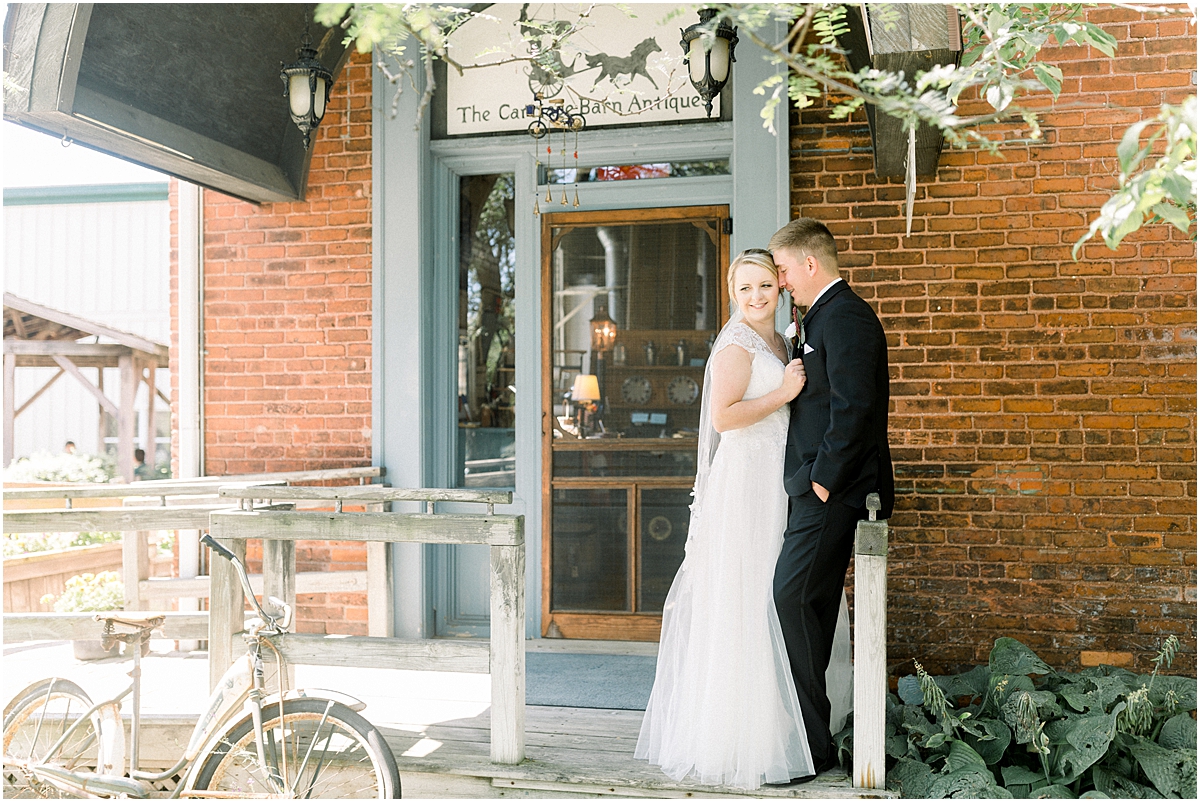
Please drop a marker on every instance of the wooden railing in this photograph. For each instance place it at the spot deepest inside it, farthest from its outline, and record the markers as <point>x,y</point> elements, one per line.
<point>173,504</point>
<point>279,527</point>
<point>870,648</point>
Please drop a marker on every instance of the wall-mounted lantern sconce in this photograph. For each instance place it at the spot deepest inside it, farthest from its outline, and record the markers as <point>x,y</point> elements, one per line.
<point>306,85</point>
<point>709,61</point>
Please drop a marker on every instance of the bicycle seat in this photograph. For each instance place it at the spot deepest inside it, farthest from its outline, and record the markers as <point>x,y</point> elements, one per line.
<point>132,619</point>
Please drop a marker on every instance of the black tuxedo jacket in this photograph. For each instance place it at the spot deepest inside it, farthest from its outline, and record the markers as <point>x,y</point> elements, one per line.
<point>838,431</point>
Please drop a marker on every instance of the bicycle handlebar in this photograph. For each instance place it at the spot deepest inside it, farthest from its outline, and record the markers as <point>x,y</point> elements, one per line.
<point>211,542</point>
<point>244,578</point>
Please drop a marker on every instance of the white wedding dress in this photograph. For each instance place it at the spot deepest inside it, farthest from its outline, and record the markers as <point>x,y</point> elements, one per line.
<point>723,709</point>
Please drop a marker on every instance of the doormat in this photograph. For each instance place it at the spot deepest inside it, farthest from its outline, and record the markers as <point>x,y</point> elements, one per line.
<point>606,681</point>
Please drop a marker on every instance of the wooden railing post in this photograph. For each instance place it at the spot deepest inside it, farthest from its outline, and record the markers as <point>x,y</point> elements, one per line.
<point>508,652</point>
<point>380,609</point>
<point>135,567</point>
<point>381,618</point>
<point>225,612</point>
<point>279,580</point>
<point>870,647</point>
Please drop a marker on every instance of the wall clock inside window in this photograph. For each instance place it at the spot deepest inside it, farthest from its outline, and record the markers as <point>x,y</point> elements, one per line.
<point>683,390</point>
<point>636,390</point>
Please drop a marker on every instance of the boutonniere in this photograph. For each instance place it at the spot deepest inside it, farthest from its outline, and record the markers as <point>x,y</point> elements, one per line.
<point>790,331</point>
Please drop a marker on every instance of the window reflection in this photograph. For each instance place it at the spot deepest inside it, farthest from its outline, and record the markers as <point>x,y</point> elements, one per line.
<point>486,329</point>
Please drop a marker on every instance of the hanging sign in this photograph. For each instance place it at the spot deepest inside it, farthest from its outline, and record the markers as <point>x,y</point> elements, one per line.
<point>623,66</point>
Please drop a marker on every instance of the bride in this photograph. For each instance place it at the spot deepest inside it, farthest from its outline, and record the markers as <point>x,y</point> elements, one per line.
<point>723,709</point>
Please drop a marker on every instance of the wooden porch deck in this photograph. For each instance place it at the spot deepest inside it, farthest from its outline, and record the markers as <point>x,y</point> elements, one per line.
<point>570,752</point>
<point>438,726</point>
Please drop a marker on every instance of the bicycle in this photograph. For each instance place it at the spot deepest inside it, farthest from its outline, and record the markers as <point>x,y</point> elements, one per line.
<point>301,743</point>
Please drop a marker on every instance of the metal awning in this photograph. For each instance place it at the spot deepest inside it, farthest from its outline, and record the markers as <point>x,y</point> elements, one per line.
<point>189,89</point>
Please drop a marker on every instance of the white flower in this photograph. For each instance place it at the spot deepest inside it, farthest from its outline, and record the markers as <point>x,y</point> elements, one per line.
<point>790,331</point>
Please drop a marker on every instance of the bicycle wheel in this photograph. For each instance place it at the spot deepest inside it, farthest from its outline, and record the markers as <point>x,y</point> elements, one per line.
<point>33,722</point>
<point>320,750</point>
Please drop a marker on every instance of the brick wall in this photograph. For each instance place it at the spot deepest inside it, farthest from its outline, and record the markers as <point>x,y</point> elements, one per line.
<point>1043,416</point>
<point>287,330</point>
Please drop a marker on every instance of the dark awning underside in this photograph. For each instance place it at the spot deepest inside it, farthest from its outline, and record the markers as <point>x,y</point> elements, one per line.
<point>190,89</point>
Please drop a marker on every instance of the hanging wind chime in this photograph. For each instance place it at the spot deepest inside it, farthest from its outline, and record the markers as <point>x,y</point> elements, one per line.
<point>547,116</point>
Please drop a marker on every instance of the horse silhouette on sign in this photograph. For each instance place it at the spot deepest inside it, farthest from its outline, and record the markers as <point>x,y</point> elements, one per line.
<point>633,65</point>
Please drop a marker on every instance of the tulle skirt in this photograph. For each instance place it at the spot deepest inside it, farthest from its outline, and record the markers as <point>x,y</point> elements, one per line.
<point>723,710</point>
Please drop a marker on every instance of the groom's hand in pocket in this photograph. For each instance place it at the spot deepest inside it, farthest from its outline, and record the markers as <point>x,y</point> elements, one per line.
<point>821,492</point>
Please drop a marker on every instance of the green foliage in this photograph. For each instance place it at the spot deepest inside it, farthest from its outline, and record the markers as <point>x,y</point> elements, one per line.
<point>1018,728</point>
<point>89,592</point>
<point>1164,191</point>
<point>45,467</point>
<point>1008,52</point>
<point>18,544</point>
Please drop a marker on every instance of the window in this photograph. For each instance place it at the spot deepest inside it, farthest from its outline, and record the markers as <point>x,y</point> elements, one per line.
<point>486,333</point>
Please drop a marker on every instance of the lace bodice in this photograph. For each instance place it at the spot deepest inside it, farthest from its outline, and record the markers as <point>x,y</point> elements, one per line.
<point>766,374</point>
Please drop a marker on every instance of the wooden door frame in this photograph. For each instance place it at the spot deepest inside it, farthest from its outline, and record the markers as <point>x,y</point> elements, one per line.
<point>603,626</point>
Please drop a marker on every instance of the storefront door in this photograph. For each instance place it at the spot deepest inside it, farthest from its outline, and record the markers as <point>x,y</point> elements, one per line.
<point>632,300</point>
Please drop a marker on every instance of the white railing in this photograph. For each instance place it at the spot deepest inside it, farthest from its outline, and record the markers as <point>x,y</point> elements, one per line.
<point>175,504</point>
<point>279,527</point>
<point>870,648</point>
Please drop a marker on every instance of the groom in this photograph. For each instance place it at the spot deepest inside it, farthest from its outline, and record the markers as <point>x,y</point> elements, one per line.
<point>837,453</point>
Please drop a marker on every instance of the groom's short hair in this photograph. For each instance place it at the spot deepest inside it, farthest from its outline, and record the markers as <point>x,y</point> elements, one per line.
<point>808,237</point>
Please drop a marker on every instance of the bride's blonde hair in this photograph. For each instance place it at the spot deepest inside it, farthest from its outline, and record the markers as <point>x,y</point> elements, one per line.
<point>750,256</point>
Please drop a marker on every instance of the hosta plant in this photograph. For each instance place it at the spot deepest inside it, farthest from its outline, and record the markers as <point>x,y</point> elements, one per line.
<point>1017,728</point>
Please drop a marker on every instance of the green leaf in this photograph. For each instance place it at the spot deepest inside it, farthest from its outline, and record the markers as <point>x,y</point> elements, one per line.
<point>909,689</point>
<point>1100,39</point>
<point>896,746</point>
<point>1161,766</point>
<point>1178,733</point>
<point>1019,775</point>
<point>991,748</point>
<point>972,684</point>
<point>1130,146</point>
<point>1117,786</point>
<point>914,720</point>
<point>910,778</point>
<point>1173,215</point>
<point>1079,700</point>
<point>1184,689</point>
<point>1094,795</point>
<point>1108,690</point>
<point>1087,740</point>
<point>1052,792</point>
<point>970,783</point>
<point>1180,188</point>
<point>964,757</point>
<point>1010,656</point>
<point>1050,76</point>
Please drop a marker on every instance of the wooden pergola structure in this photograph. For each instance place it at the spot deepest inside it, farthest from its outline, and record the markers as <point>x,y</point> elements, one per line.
<point>37,336</point>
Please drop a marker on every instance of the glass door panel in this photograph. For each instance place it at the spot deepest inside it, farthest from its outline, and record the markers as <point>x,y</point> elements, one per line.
<point>591,557</point>
<point>663,520</point>
<point>632,301</point>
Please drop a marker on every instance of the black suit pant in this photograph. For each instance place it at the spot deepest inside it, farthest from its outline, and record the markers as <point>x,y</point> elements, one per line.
<point>809,578</point>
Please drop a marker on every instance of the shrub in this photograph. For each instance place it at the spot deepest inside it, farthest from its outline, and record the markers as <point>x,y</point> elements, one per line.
<point>45,467</point>
<point>18,544</point>
<point>89,593</point>
<point>1016,728</point>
